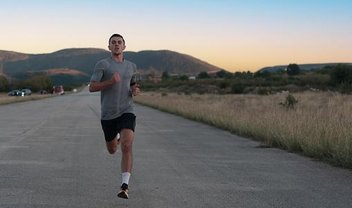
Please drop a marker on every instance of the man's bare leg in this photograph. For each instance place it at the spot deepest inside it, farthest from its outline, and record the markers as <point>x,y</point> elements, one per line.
<point>126,160</point>
<point>112,145</point>
<point>126,140</point>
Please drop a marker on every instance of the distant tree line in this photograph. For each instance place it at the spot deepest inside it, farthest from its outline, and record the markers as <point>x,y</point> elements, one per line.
<point>35,83</point>
<point>41,81</point>
<point>292,78</point>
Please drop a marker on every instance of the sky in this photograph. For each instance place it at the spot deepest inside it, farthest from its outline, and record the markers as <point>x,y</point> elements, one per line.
<point>235,35</point>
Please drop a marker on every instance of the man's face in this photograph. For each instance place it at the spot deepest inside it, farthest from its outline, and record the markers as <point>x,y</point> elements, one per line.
<point>116,45</point>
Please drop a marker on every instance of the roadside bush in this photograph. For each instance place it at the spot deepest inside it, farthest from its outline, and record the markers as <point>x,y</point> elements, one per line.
<point>341,77</point>
<point>290,102</point>
<point>263,91</point>
<point>315,79</point>
<point>223,85</point>
<point>237,88</point>
<point>345,87</point>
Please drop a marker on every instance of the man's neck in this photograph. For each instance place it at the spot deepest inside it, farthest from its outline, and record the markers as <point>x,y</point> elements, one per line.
<point>117,57</point>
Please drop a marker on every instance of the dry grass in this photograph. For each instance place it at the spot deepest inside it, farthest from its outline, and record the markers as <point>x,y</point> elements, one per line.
<point>5,99</point>
<point>320,126</point>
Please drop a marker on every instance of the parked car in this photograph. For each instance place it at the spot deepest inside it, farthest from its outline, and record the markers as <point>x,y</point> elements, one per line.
<point>26,92</point>
<point>15,93</point>
<point>43,92</point>
<point>58,90</point>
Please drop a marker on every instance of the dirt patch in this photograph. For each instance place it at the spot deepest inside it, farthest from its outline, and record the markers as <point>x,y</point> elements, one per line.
<point>65,71</point>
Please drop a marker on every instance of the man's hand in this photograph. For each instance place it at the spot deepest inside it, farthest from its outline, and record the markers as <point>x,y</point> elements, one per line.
<point>115,78</point>
<point>99,86</point>
<point>135,89</point>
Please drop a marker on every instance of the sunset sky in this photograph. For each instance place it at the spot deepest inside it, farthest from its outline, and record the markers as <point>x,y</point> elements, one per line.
<point>236,35</point>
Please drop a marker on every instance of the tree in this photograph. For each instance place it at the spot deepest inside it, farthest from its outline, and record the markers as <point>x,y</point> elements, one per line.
<point>224,74</point>
<point>264,74</point>
<point>183,77</point>
<point>38,82</point>
<point>4,84</point>
<point>243,75</point>
<point>165,75</point>
<point>340,74</point>
<point>203,75</point>
<point>293,69</point>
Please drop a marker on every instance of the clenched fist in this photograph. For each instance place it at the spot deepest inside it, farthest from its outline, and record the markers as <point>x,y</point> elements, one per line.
<point>135,89</point>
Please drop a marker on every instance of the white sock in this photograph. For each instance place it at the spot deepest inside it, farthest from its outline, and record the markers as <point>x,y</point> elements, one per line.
<point>125,177</point>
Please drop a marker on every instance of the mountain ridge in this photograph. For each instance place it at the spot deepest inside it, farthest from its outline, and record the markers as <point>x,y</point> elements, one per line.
<point>305,67</point>
<point>16,65</point>
<point>84,59</point>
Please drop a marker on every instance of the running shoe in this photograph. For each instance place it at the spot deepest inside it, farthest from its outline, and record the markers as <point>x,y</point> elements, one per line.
<point>123,192</point>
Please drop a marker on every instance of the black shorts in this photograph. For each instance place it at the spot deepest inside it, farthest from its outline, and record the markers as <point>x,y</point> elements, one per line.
<point>112,127</point>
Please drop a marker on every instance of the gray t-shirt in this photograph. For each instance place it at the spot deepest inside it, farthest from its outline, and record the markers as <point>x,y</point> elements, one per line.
<point>117,99</point>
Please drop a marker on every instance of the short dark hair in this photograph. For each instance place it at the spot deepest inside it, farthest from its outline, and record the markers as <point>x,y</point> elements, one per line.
<point>116,35</point>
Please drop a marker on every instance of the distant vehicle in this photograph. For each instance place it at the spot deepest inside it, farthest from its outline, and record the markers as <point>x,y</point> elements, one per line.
<point>43,92</point>
<point>26,92</point>
<point>58,90</point>
<point>15,93</point>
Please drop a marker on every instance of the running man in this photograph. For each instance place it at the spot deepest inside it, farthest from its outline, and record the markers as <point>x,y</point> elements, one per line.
<point>115,78</point>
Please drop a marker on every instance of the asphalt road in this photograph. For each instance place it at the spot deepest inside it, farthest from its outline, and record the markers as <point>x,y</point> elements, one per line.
<point>52,154</point>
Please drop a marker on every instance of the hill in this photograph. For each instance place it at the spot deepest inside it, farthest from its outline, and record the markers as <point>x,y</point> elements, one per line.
<point>9,56</point>
<point>12,56</point>
<point>17,65</point>
<point>172,62</point>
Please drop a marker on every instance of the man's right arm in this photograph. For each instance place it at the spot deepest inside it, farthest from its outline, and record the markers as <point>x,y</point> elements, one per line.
<point>96,86</point>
